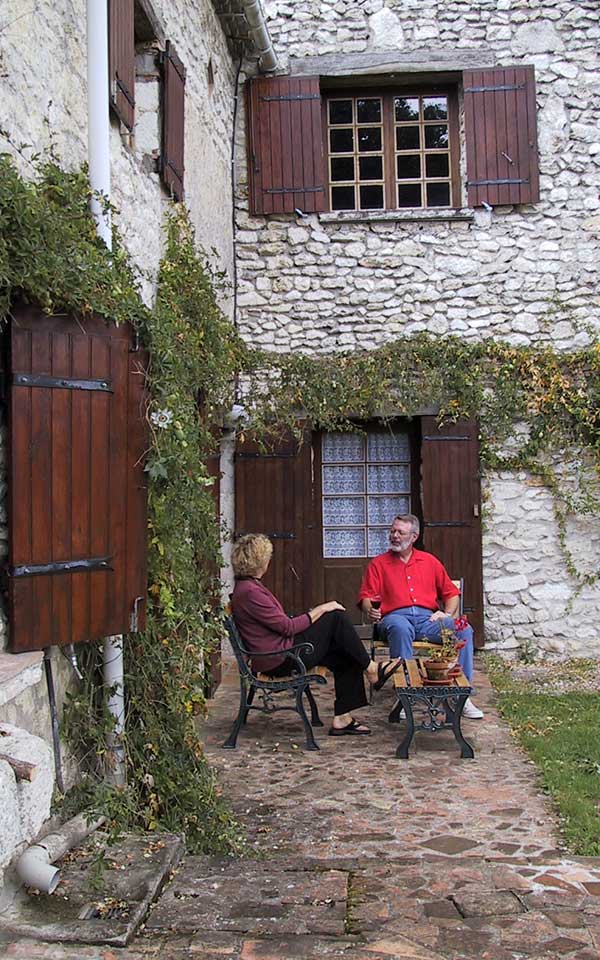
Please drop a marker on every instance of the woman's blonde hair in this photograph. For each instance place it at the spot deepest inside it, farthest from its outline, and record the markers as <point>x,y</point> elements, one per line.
<point>250,554</point>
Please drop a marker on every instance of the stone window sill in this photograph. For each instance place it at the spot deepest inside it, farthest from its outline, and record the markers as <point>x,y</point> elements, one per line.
<point>398,216</point>
<point>18,671</point>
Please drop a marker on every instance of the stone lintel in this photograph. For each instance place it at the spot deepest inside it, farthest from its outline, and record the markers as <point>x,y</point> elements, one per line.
<point>436,215</point>
<point>392,62</point>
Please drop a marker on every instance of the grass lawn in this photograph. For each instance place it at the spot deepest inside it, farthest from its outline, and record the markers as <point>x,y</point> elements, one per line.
<point>561,733</point>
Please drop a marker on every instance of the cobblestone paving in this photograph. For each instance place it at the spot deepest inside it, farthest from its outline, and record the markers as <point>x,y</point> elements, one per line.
<point>366,857</point>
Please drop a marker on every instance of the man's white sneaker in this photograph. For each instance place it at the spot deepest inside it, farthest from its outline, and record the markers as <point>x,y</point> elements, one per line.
<point>470,711</point>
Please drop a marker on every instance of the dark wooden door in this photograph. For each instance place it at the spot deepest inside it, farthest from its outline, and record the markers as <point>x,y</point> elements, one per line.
<point>451,501</point>
<point>77,488</point>
<point>274,495</point>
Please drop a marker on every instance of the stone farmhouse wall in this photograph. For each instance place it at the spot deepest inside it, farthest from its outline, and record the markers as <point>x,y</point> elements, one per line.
<point>527,275</point>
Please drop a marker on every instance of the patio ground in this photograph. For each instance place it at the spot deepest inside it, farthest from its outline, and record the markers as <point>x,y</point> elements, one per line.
<point>367,857</point>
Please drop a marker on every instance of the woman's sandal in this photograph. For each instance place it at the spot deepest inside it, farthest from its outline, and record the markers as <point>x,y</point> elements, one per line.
<point>382,675</point>
<point>352,729</point>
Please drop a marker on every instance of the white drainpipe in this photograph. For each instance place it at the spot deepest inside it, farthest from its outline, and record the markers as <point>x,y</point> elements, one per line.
<point>255,17</point>
<point>99,164</point>
<point>35,866</point>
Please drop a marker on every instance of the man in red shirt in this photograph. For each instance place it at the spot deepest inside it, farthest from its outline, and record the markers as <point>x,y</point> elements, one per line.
<point>408,587</point>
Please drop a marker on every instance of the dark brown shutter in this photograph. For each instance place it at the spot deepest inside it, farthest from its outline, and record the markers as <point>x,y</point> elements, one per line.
<point>173,122</point>
<point>121,56</point>
<point>501,136</point>
<point>77,497</point>
<point>452,507</point>
<point>285,145</point>
<point>270,493</point>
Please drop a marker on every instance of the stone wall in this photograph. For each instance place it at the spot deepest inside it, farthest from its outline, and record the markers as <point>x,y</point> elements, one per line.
<point>527,275</point>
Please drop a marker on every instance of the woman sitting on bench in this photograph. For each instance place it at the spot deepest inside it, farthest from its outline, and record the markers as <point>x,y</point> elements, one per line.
<point>264,626</point>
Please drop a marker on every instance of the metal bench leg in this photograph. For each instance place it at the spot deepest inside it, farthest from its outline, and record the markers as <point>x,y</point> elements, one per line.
<point>454,715</point>
<point>311,743</point>
<point>402,751</point>
<point>314,710</point>
<point>249,701</point>
<point>245,701</point>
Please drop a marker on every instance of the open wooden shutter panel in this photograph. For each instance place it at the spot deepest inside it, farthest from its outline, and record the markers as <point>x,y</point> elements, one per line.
<point>501,136</point>
<point>121,55</point>
<point>285,145</point>
<point>173,122</point>
<point>77,492</point>
<point>451,499</point>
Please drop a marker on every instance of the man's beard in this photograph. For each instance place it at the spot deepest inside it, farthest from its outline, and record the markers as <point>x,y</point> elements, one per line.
<point>401,547</point>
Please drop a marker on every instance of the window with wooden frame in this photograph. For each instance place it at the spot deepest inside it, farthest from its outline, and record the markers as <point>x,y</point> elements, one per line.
<point>392,149</point>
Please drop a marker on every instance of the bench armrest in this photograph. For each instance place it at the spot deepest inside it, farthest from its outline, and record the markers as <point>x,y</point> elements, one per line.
<point>292,653</point>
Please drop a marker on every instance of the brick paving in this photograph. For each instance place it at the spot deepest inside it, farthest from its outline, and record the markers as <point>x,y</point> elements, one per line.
<point>365,857</point>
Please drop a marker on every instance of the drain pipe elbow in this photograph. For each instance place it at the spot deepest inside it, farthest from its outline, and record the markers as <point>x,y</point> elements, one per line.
<point>255,18</point>
<point>35,870</point>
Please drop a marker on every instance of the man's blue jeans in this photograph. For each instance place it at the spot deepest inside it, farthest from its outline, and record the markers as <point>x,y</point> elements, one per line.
<point>406,624</point>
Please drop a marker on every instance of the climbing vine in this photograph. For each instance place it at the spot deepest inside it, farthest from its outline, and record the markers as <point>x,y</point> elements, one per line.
<point>535,407</point>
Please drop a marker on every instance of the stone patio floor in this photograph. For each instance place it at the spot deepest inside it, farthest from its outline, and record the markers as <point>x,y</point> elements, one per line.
<point>365,857</point>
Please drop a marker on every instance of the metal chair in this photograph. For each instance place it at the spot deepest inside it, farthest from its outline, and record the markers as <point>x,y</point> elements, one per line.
<point>297,684</point>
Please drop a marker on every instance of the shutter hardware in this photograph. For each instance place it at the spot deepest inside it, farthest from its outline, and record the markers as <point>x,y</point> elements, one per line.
<point>133,620</point>
<point>263,456</point>
<point>294,189</point>
<point>271,536</point>
<point>295,96</point>
<point>66,383</point>
<point>60,566</point>
<point>445,523</point>
<point>484,183</point>
<point>119,85</point>
<point>501,86</point>
<point>446,438</point>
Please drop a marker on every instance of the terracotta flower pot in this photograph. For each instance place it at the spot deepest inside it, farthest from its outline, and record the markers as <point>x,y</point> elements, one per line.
<point>437,669</point>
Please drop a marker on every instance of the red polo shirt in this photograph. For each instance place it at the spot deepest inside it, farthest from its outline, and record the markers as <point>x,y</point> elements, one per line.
<point>422,582</point>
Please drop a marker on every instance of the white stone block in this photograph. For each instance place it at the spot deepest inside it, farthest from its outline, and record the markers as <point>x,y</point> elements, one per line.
<point>508,584</point>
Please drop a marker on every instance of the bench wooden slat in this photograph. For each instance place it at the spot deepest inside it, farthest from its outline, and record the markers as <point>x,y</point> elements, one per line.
<point>462,681</point>
<point>320,671</point>
<point>399,679</point>
<point>414,677</point>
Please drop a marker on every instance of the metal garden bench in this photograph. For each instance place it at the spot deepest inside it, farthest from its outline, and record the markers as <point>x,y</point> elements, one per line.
<point>269,688</point>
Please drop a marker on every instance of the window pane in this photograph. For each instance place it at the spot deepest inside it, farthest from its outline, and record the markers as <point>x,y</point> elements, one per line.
<point>385,445</point>
<point>384,509</point>
<point>409,195</point>
<point>369,138</point>
<point>436,137</point>
<point>368,111</point>
<point>343,447</point>
<point>371,198</point>
<point>438,194</point>
<point>406,108</point>
<point>409,166</point>
<point>371,168</point>
<point>343,543</point>
<point>407,138</point>
<point>343,480</point>
<point>391,478</point>
<point>435,108</point>
<point>340,111</point>
<point>342,168</point>
<point>341,141</point>
<point>378,540</point>
<point>436,165</point>
<point>342,198</point>
<point>343,511</point>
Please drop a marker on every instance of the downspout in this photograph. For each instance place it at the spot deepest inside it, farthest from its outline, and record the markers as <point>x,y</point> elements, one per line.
<point>35,866</point>
<point>255,17</point>
<point>99,167</point>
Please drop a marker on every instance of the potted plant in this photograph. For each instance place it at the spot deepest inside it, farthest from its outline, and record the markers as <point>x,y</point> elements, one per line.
<point>442,656</point>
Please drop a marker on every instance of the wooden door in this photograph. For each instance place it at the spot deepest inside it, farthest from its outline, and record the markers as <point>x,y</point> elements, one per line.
<point>274,495</point>
<point>77,488</point>
<point>451,501</point>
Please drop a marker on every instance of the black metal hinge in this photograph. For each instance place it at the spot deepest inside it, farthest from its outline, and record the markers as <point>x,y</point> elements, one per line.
<point>294,189</point>
<point>485,183</point>
<point>293,96</point>
<point>500,86</point>
<point>445,523</point>
<point>271,535</point>
<point>124,90</point>
<point>64,383</point>
<point>446,438</point>
<point>60,566</point>
<point>264,456</point>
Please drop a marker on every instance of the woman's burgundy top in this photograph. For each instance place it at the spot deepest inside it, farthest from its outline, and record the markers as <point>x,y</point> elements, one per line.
<point>263,623</point>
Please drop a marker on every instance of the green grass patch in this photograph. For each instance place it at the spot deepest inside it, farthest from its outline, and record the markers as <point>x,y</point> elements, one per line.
<point>561,734</point>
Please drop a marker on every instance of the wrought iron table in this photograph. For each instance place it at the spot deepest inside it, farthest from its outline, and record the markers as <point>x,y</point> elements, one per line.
<point>443,704</point>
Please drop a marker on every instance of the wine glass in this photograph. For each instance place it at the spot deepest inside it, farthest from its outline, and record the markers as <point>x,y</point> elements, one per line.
<point>376,602</point>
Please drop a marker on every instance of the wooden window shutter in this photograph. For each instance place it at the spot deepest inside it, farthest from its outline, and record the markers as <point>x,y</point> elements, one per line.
<point>121,57</point>
<point>501,136</point>
<point>77,489</point>
<point>285,145</point>
<point>451,501</point>
<point>173,143</point>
